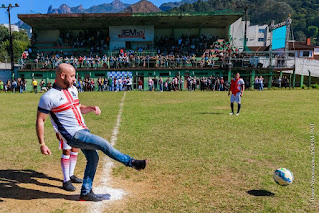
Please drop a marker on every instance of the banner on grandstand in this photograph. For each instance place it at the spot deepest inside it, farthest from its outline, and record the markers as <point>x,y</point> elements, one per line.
<point>279,38</point>
<point>131,33</point>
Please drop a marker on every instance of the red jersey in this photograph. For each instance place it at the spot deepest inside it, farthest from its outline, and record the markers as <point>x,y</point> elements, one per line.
<point>236,85</point>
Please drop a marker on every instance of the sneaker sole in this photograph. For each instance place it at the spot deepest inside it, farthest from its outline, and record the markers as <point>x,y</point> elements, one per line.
<point>69,190</point>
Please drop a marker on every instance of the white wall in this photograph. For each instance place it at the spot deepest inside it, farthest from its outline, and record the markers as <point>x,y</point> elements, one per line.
<point>303,65</point>
<point>237,32</point>
<point>14,28</point>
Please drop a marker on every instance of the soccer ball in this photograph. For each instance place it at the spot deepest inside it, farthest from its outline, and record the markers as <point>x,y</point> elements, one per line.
<point>283,177</point>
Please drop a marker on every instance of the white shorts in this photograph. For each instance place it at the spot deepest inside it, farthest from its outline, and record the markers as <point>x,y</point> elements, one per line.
<point>235,98</point>
<point>64,145</point>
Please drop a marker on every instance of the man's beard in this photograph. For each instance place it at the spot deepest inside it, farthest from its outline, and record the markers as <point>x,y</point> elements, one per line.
<point>66,83</point>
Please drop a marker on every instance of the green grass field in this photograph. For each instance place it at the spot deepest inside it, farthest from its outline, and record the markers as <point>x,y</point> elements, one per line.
<point>201,159</point>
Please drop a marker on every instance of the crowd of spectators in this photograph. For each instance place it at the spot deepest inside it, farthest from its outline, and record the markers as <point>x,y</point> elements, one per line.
<point>168,52</point>
<point>185,45</point>
<point>13,86</point>
<point>211,83</point>
<point>104,84</point>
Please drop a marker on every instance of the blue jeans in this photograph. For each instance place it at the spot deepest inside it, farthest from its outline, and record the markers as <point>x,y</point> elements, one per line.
<point>89,143</point>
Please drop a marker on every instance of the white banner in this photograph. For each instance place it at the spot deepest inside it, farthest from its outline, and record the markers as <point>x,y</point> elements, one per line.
<point>131,33</point>
<point>303,65</point>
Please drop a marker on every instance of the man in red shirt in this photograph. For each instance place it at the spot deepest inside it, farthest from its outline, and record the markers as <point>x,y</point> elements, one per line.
<point>80,61</point>
<point>237,88</point>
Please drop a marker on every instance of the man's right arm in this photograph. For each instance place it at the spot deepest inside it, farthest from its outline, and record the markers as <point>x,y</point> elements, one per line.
<point>40,132</point>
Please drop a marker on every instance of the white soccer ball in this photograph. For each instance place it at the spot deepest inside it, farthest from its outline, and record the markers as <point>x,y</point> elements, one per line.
<point>283,177</point>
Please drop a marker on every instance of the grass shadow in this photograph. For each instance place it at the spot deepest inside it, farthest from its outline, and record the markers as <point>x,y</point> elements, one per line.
<point>261,193</point>
<point>209,113</point>
<point>10,180</point>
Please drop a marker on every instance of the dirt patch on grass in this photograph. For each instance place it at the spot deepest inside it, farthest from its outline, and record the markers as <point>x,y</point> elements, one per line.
<point>27,190</point>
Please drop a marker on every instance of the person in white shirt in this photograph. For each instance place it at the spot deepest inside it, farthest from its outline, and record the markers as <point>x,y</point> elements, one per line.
<point>63,105</point>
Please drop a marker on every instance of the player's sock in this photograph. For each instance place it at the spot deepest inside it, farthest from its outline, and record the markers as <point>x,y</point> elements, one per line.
<point>232,107</point>
<point>73,159</point>
<point>65,165</point>
<point>239,105</point>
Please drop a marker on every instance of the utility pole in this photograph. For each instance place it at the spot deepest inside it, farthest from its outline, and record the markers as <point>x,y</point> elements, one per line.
<point>8,8</point>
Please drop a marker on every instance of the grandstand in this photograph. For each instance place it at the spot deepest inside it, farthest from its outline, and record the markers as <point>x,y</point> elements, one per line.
<point>145,45</point>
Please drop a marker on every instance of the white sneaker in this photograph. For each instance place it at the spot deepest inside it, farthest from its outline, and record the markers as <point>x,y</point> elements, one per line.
<point>237,113</point>
<point>231,113</point>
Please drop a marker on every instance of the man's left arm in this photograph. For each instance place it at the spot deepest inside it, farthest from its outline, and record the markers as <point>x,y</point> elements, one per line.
<point>86,109</point>
<point>242,92</point>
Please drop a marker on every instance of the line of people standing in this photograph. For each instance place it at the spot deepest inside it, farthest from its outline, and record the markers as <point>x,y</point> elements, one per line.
<point>160,85</point>
<point>105,84</point>
<point>259,83</point>
<point>18,85</point>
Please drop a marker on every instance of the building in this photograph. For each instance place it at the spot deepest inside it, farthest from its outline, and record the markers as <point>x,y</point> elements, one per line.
<point>123,30</point>
<point>130,31</point>
<point>257,35</point>
<point>14,28</point>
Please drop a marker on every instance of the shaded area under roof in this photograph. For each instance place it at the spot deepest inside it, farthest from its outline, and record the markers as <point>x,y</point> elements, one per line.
<point>218,19</point>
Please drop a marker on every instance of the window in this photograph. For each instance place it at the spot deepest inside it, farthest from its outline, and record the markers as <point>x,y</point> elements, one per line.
<point>261,39</point>
<point>38,75</point>
<point>261,30</point>
<point>306,53</point>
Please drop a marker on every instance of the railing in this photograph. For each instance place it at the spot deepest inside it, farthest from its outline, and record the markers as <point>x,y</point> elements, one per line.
<point>150,53</point>
<point>266,60</point>
<point>131,64</point>
<point>270,59</point>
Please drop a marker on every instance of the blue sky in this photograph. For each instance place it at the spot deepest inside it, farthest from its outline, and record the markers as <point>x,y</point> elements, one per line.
<point>26,6</point>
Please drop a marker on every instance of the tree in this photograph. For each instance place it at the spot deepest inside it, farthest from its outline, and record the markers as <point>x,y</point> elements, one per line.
<point>300,36</point>
<point>20,42</point>
<point>312,31</point>
<point>304,12</point>
<point>4,33</point>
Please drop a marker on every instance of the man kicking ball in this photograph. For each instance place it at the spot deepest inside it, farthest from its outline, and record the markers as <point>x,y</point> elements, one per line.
<point>237,88</point>
<point>65,110</point>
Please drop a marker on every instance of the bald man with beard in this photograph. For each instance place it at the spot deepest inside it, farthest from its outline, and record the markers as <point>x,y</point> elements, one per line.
<point>62,103</point>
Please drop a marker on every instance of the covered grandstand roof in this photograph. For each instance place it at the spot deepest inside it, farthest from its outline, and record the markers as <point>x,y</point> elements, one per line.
<point>218,19</point>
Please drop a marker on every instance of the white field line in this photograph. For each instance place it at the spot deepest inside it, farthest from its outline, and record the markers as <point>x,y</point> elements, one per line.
<point>103,189</point>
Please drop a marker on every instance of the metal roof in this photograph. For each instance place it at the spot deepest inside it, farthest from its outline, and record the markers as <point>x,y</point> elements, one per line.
<point>74,21</point>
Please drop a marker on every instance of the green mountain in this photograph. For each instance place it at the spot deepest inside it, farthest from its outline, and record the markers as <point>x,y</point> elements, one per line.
<point>170,5</point>
<point>304,13</point>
